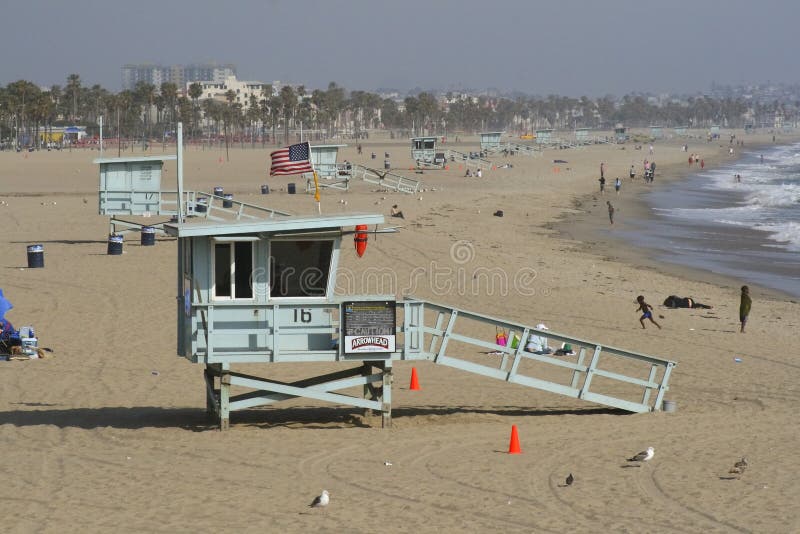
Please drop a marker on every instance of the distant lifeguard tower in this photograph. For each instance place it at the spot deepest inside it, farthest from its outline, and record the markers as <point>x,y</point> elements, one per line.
<point>656,132</point>
<point>331,174</point>
<point>490,141</point>
<point>620,135</point>
<point>423,151</point>
<point>132,186</point>
<point>714,131</point>
<point>544,136</point>
<point>582,136</point>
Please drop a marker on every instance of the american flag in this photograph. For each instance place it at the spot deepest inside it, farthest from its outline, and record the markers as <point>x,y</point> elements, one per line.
<point>291,160</point>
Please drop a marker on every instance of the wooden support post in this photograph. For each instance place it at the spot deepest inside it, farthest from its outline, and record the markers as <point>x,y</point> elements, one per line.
<point>386,395</point>
<point>211,398</point>
<point>577,374</point>
<point>225,398</point>
<point>650,378</point>
<point>366,370</point>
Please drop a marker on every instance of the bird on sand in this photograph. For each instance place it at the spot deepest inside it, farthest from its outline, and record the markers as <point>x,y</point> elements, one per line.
<point>570,479</point>
<point>644,456</point>
<point>321,501</point>
<point>739,467</point>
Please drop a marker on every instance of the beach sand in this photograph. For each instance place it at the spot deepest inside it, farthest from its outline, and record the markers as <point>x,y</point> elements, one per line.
<point>110,434</point>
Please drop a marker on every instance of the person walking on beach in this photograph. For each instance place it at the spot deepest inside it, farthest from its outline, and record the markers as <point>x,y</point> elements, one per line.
<point>602,185</point>
<point>702,164</point>
<point>632,172</point>
<point>602,169</point>
<point>744,307</point>
<point>647,312</point>
<point>617,185</point>
<point>610,211</point>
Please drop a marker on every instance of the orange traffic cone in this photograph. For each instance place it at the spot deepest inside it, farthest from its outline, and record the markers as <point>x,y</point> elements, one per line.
<point>414,380</point>
<point>513,447</point>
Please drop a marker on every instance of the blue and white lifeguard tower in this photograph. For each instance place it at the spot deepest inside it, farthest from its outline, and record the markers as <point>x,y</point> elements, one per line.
<point>490,141</point>
<point>331,174</point>
<point>544,136</point>
<point>423,152</point>
<point>656,132</point>
<point>582,136</point>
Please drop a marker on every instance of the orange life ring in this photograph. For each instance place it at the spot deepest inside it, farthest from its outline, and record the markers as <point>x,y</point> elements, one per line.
<point>360,239</point>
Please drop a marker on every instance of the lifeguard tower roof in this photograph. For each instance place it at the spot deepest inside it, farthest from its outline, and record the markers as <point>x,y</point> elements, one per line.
<point>292,223</point>
<point>136,159</point>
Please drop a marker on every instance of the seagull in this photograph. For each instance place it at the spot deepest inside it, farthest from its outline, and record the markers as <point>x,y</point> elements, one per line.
<point>570,479</point>
<point>644,456</point>
<point>321,500</point>
<point>739,467</point>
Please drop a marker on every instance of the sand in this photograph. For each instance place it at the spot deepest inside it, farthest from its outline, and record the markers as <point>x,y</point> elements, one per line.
<point>109,434</point>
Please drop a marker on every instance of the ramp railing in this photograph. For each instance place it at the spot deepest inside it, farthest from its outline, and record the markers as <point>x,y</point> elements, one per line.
<point>577,368</point>
<point>387,179</point>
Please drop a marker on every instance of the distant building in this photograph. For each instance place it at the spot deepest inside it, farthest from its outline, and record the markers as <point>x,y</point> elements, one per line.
<point>217,90</point>
<point>180,75</point>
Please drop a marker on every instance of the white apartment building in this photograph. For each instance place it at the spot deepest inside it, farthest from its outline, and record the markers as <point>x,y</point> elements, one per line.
<point>217,90</point>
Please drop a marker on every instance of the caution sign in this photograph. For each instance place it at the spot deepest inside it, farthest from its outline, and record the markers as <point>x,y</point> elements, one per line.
<point>369,326</point>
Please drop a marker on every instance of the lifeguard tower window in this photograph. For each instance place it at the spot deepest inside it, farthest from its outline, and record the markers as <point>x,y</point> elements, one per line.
<point>299,268</point>
<point>420,144</point>
<point>233,270</point>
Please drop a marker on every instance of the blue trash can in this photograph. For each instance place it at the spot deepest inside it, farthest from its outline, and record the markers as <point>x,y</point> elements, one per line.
<point>291,188</point>
<point>35,256</point>
<point>148,236</point>
<point>227,201</point>
<point>265,189</point>
<point>114,245</point>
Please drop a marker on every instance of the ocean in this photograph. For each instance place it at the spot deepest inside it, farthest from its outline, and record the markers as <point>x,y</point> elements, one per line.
<point>748,229</point>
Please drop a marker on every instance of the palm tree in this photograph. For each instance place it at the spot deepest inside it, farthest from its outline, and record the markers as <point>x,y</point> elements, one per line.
<point>74,89</point>
<point>288,100</point>
<point>195,92</point>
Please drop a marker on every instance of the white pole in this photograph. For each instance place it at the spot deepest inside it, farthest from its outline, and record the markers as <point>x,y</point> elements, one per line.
<point>180,172</point>
<point>301,131</point>
<point>101,136</point>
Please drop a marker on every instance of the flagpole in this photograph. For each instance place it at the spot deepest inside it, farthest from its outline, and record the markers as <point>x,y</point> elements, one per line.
<point>316,190</point>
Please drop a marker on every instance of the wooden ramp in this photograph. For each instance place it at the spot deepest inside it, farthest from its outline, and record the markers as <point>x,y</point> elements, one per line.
<point>387,179</point>
<point>591,372</point>
<point>466,159</point>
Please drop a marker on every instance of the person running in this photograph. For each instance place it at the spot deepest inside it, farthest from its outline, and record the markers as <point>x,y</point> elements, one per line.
<point>744,307</point>
<point>647,312</point>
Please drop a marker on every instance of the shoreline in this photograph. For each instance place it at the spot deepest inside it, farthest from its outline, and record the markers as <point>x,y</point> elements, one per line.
<point>605,242</point>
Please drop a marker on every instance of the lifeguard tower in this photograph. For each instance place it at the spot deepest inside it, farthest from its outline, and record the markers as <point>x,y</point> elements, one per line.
<point>619,134</point>
<point>715,131</point>
<point>490,141</point>
<point>132,186</point>
<point>331,175</point>
<point>423,152</point>
<point>263,292</point>
<point>544,137</point>
<point>656,132</point>
<point>582,136</point>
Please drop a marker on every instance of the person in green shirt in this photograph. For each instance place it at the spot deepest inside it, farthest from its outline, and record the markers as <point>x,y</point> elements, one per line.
<point>744,307</point>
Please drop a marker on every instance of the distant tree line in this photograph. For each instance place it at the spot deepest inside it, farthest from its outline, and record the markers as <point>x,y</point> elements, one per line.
<point>148,112</point>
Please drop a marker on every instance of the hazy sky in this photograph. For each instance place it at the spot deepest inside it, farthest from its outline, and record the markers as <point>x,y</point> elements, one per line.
<point>568,47</point>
